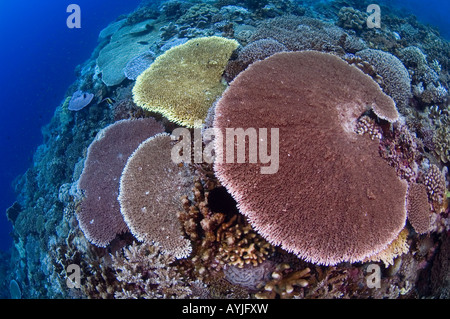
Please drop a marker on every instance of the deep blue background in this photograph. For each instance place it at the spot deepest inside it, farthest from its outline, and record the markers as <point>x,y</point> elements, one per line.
<point>38,55</point>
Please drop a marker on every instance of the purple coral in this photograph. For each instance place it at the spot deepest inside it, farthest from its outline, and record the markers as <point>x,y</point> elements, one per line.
<point>100,217</point>
<point>80,100</point>
<point>138,65</point>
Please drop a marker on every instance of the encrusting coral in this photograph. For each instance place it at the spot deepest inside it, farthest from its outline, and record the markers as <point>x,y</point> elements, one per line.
<point>151,187</point>
<point>184,82</point>
<point>315,100</point>
<point>99,215</point>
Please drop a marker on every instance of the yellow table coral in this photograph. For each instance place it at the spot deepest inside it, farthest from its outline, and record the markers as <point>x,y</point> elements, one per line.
<point>184,82</point>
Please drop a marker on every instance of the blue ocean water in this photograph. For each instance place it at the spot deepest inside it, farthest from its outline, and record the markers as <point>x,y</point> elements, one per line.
<point>433,12</point>
<point>39,54</point>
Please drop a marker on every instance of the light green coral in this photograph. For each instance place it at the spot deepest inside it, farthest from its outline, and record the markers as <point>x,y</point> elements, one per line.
<point>124,45</point>
<point>183,83</point>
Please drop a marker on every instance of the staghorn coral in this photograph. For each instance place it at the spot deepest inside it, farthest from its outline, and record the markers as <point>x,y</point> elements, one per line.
<point>418,208</point>
<point>184,82</point>
<point>150,193</point>
<point>144,271</point>
<point>99,215</point>
<point>302,95</point>
<point>396,79</point>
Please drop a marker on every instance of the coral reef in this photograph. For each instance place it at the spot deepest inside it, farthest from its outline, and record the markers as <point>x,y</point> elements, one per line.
<point>434,180</point>
<point>229,258</point>
<point>283,282</point>
<point>396,79</point>
<point>418,208</point>
<point>399,148</point>
<point>397,247</point>
<point>184,82</point>
<point>139,64</point>
<point>441,140</point>
<point>312,80</point>
<point>123,46</point>
<point>80,100</point>
<point>99,215</point>
<point>150,193</point>
<point>350,18</point>
<point>220,234</point>
<point>145,272</point>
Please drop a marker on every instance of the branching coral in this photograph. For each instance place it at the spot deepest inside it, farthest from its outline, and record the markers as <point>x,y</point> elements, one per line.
<point>221,238</point>
<point>150,193</point>
<point>184,82</point>
<point>99,216</point>
<point>315,100</point>
<point>144,271</point>
<point>284,282</point>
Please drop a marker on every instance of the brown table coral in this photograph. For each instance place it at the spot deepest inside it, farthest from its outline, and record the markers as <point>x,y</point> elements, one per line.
<point>333,198</point>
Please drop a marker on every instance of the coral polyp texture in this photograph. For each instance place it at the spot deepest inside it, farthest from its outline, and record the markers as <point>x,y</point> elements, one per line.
<point>419,210</point>
<point>151,187</point>
<point>331,182</point>
<point>183,83</point>
<point>99,216</point>
<point>396,78</point>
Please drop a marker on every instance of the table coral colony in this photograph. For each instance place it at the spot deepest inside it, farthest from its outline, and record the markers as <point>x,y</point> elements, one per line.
<point>337,165</point>
<point>331,182</point>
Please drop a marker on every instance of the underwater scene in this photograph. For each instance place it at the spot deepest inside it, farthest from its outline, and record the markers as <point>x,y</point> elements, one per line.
<point>225,149</point>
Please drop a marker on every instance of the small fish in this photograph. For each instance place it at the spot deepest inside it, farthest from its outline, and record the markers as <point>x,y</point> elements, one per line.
<point>108,100</point>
